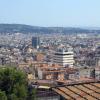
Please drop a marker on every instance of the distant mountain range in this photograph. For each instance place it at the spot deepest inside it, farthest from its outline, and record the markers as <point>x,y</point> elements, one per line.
<point>21,28</point>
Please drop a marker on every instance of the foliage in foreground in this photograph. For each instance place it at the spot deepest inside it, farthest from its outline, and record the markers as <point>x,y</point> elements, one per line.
<point>13,85</point>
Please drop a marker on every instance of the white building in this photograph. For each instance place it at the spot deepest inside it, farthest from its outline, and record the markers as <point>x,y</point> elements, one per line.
<point>64,57</point>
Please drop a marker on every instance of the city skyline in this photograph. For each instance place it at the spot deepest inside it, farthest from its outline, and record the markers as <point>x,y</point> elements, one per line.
<point>60,13</point>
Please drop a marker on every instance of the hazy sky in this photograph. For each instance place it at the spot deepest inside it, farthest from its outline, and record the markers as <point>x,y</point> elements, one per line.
<point>51,12</point>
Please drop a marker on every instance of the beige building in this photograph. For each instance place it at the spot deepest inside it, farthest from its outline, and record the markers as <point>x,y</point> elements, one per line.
<point>56,72</point>
<point>85,72</point>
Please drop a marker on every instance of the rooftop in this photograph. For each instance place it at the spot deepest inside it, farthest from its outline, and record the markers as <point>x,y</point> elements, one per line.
<point>84,91</point>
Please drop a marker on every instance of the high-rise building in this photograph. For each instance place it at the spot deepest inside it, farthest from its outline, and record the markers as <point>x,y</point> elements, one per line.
<point>64,57</point>
<point>35,42</point>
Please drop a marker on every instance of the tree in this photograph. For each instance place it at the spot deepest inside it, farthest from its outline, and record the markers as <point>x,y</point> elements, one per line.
<point>20,91</point>
<point>13,97</point>
<point>3,95</point>
<point>32,94</point>
<point>14,83</point>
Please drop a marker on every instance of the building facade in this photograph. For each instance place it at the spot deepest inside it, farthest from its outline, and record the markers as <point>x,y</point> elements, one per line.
<point>64,57</point>
<point>35,42</point>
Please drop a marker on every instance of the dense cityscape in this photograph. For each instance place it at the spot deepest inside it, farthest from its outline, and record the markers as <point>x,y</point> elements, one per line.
<point>49,49</point>
<point>51,60</point>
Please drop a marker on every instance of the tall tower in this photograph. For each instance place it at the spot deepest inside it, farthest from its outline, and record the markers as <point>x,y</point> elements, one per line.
<point>35,42</point>
<point>64,57</point>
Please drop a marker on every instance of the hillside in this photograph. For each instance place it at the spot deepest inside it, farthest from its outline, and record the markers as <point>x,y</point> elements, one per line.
<point>13,28</point>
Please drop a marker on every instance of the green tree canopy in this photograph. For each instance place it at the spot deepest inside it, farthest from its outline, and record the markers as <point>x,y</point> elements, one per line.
<point>3,95</point>
<point>14,83</point>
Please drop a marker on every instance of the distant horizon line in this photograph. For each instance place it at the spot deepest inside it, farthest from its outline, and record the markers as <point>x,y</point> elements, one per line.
<point>54,25</point>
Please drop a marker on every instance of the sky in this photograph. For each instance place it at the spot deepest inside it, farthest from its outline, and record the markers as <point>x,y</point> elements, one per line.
<point>60,13</point>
